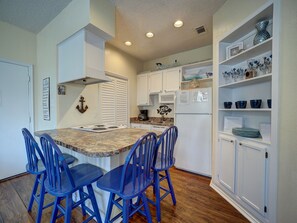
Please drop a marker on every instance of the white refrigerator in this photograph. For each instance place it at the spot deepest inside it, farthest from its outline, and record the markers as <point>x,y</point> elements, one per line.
<point>193,118</point>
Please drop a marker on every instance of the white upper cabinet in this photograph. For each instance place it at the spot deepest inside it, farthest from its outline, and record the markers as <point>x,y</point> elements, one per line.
<point>142,89</point>
<point>164,80</point>
<point>171,79</point>
<point>155,82</point>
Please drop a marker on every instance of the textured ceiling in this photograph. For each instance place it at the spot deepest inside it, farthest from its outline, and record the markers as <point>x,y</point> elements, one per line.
<point>133,19</point>
<point>136,17</point>
<point>31,15</point>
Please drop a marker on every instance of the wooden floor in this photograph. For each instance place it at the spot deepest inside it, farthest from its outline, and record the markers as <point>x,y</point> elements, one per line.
<point>196,202</point>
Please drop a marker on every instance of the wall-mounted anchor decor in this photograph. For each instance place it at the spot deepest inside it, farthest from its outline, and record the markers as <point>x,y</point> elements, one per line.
<point>81,109</point>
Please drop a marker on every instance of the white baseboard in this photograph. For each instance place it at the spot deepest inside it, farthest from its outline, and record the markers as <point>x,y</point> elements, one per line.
<point>234,203</point>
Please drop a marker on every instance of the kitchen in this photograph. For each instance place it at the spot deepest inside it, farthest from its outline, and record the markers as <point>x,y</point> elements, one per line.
<point>63,116</point>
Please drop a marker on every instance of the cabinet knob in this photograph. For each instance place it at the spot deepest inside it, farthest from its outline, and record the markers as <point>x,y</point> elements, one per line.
<point>231,141</point>
<point>240,144</point>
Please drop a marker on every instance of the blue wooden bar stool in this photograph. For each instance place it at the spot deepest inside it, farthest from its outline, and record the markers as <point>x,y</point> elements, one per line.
<point>62,182</point>
<point>36,167</point>
<point>164,160</point>
<point>131,180</point>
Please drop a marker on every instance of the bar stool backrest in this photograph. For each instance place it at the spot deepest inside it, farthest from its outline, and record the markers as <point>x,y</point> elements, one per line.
<point>55,163</point>
<point>165,147</point>
<point>136,175</point>
<point>34,154</point>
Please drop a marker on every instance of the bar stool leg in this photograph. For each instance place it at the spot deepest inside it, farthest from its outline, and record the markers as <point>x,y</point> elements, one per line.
<point>34,190</point>
<point>83,203</point>
<point>40,200</point>
<point>55,209</point>
<point>68,208</point>
<point>94,203</point>
<point>170,186</point>
<point>126,211</point>
<point>109,207</point>
<point>146,207</point>
<point>157,193</point>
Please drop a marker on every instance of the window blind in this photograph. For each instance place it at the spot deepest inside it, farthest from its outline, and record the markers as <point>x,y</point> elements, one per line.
<point>114,101</point>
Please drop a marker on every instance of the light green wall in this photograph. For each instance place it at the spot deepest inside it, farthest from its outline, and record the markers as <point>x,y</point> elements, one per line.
<point>186,57</point>
<point>118,62</point>
<point>17,44</point>
<point>102,14</point>
<point>74,17</point>
<point>287,182</point>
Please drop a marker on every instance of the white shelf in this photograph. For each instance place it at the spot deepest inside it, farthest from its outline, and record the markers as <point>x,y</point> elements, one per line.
<point>249,53</point>
<point>260,140</point>
<point>200,80</point>
<point>197,65</point>
<point>246,109</point>
<point>247,26</point>
<point>254,80</point>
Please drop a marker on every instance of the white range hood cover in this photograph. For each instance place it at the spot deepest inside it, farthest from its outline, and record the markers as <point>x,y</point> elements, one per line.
<point>81,59</point>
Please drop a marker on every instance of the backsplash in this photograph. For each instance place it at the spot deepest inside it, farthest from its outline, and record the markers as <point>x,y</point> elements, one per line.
<point>152,110</point>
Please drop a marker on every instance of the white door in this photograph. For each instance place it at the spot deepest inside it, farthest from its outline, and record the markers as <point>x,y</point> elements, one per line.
<point>171,79</point>
<point>155,82</point>
<point>142,89</point>
<point>227,162</point>
<point>114,101</point>
<point>15,112</point>
<point>252,174</point>
<point>193,146</point>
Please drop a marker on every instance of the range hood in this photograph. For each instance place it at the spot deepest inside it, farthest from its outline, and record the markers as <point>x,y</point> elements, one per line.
<point>81,59</point>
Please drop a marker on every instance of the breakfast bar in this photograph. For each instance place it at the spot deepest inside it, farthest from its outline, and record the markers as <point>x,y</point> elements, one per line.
<point>93,144</point>
<point>107,150</point>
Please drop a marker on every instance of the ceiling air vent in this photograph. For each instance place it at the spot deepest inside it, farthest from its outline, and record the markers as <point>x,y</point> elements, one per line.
<point>200,30</point>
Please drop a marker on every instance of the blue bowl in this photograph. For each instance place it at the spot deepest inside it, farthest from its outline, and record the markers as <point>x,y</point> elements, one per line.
<point>228,104</point>
<point>240,104</point>
<point>256,103</point>
<point>269,103</point>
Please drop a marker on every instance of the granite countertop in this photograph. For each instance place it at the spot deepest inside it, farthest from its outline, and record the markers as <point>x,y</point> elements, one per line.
<point>95,144</point>
<point>154,121</point>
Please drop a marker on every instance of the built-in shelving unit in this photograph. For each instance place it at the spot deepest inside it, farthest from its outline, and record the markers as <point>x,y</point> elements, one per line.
<point>198,71</point>
<point>246,110</point>
<point>246,82</point>
<point>243,166</point>
<point>249,53</point>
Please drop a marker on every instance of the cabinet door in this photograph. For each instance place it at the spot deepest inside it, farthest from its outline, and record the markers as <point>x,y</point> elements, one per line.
<point>135,126</point>
<point>142,89</point>
<point>155,82</point>
<point>252,174</point>
<point>158,128</point>
<point>140,126</point>
<point>227,162</point>
<point>171,79</point>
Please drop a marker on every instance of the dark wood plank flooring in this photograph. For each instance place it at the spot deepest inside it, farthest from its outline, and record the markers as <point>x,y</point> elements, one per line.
<point>196,202</point>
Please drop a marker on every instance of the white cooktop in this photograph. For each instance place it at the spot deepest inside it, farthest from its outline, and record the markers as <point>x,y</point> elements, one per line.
<point>99,127</point>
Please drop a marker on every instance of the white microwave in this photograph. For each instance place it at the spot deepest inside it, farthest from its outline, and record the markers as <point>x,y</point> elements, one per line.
<point>167,98</point>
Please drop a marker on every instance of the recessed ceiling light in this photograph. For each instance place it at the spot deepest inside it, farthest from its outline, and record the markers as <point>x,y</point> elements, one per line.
<point>149,35</point>
<point>128,43</point>
<point>178,23</point>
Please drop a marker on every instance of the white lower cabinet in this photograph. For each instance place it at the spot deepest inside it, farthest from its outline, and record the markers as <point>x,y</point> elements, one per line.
<point>227,162</point>
<point>242,172</point>
<point>140,126</point>
<point>149,127</point>
<point>159,128</point>
<point>252,174</point>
